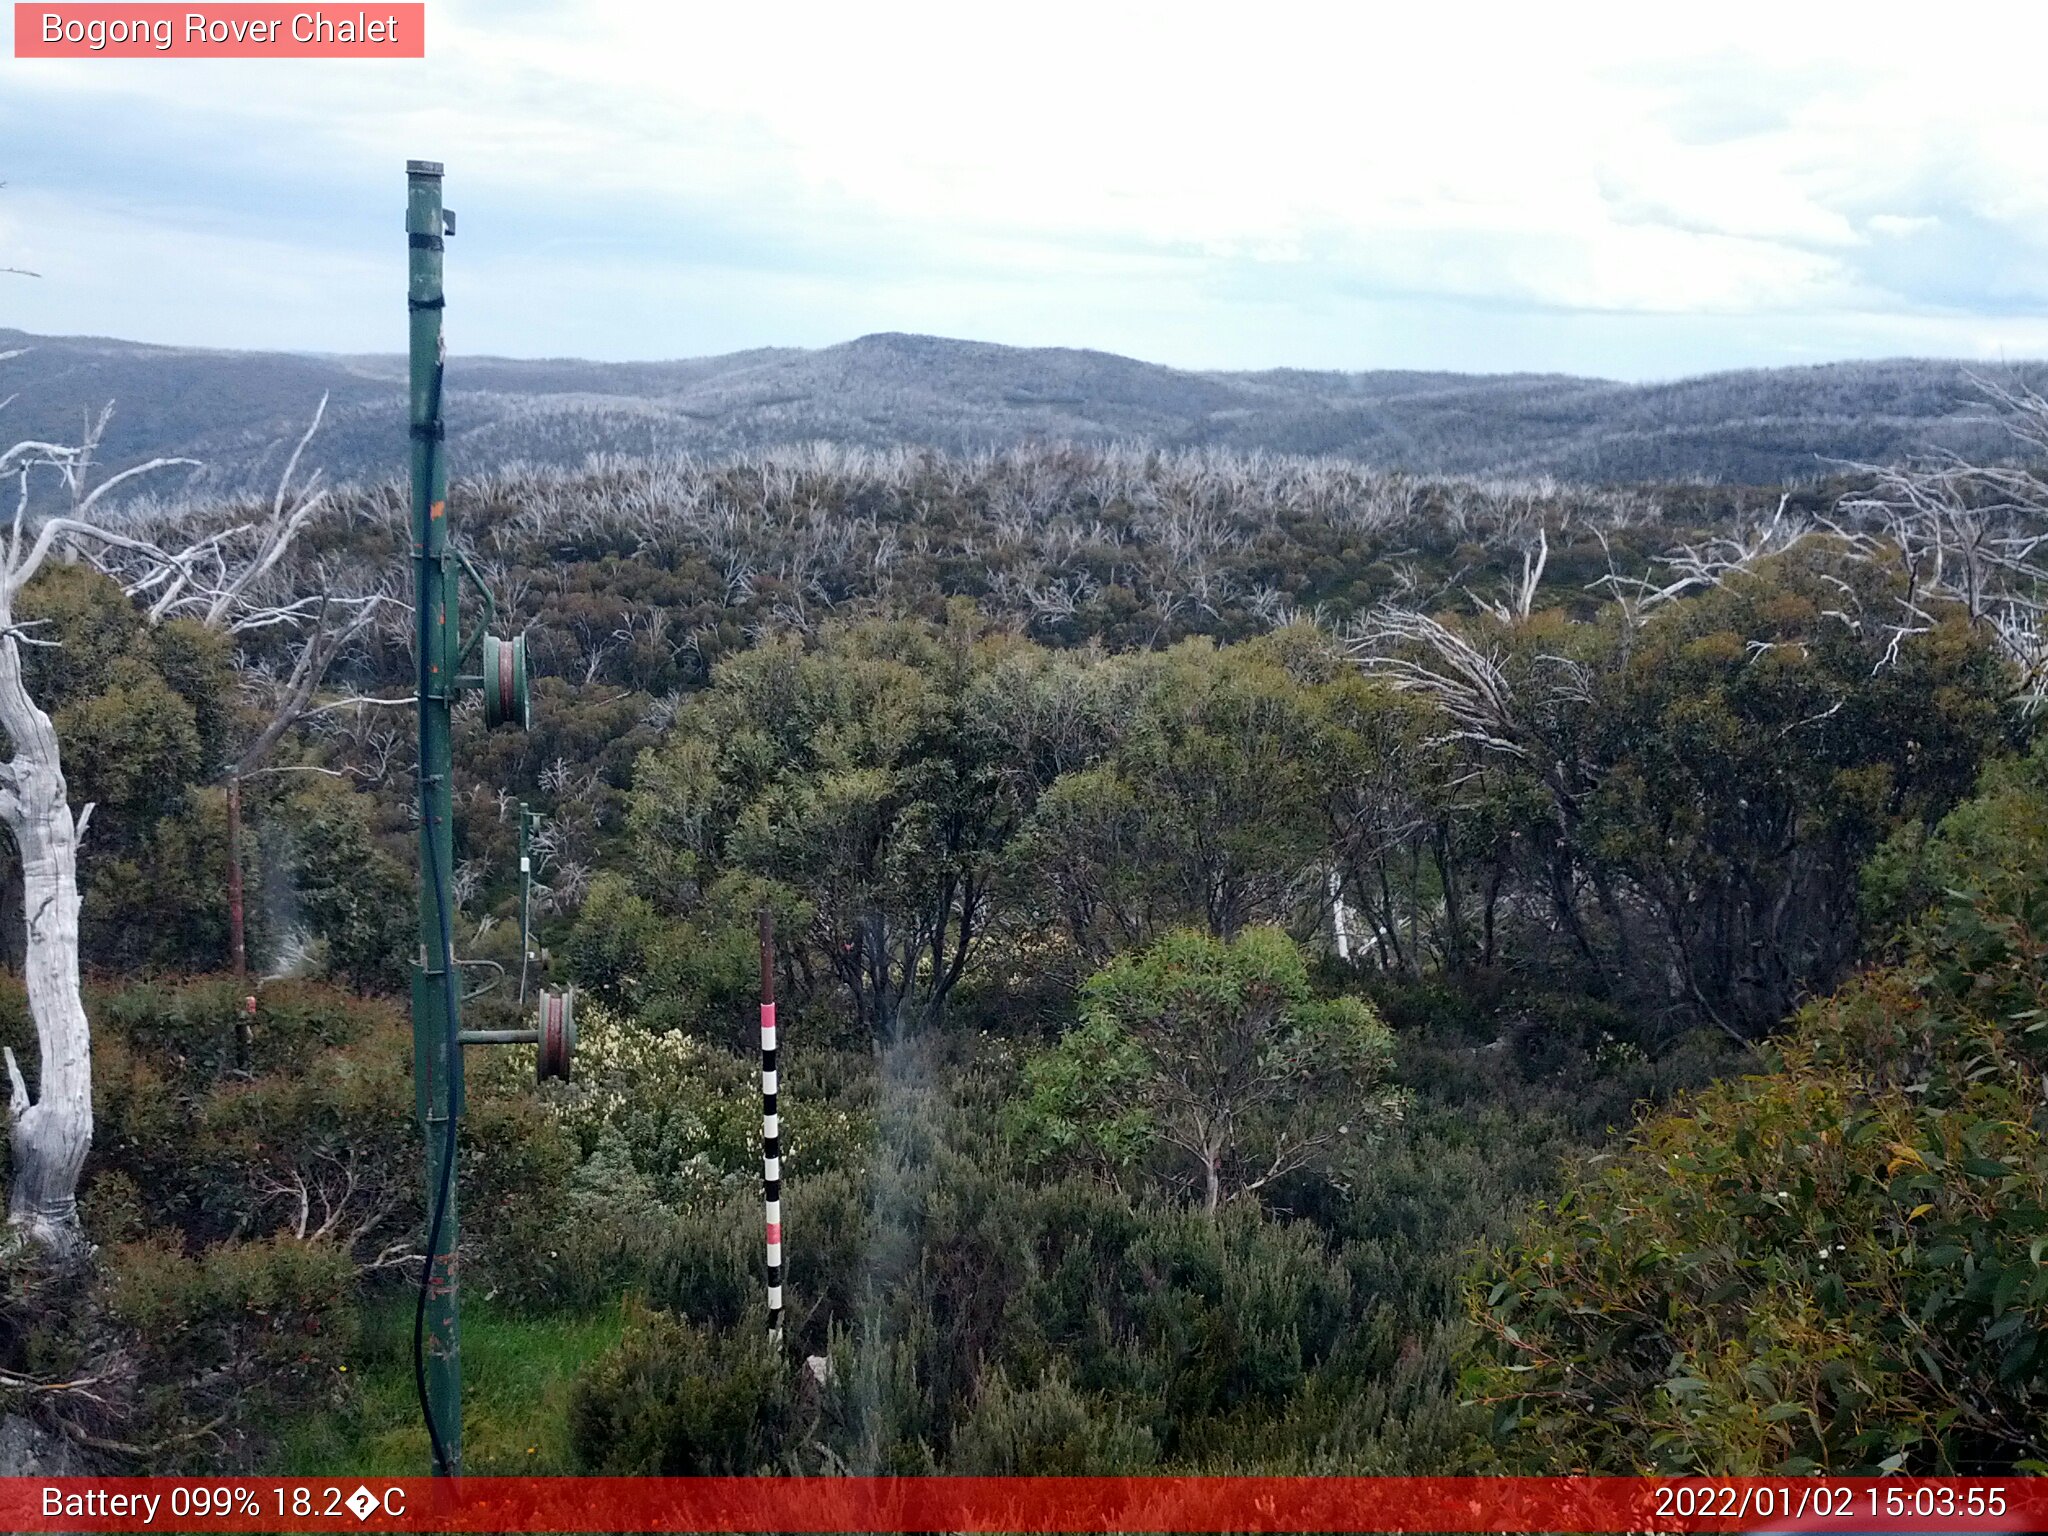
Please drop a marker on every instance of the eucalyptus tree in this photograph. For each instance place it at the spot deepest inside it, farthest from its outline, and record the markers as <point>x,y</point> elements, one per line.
<point>868,772</point>
<point>1203,810</point>
<point>1212,1064</point>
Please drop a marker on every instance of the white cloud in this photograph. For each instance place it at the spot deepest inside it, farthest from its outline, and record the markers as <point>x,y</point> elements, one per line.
<point>1177,179</point>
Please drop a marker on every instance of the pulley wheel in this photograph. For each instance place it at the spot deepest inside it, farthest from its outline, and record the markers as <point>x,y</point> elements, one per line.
<point>557,1035</point>
<point>506,700</point>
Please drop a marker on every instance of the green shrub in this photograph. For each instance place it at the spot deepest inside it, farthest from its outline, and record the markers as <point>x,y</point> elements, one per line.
<point>674,1399</point>
<point>699,974</point>
<point>231,1339</point>
<point>1912,877</point>
<point>975,1321</point>
<point>323,863</point>
<point>613,943</point>
<point>1212,1062</point>
<point>525,1238</point>
<point>1046,1429</point>
<point>295,1118</point>
<point>199,1032</point>
<point>1837,1264</point>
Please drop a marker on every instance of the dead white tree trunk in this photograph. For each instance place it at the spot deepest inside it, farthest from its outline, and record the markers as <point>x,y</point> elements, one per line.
<point>1340,916</point>
<point>50,1134</point>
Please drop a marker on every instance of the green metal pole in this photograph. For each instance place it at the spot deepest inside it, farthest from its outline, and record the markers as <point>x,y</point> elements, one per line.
<point>437,1057</point>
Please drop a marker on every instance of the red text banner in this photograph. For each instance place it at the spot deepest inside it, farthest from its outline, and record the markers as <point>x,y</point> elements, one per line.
<point>1080,1504</point>
<point>231,31</point>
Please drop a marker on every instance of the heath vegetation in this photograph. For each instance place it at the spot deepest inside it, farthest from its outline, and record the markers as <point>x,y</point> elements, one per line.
<point>1285,967</point>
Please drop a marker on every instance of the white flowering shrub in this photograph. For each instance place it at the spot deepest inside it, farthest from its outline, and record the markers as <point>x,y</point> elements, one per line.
<point>662,1120</point>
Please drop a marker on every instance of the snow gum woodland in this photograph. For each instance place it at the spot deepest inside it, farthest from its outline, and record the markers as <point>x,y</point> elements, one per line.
<point>1222,900</point>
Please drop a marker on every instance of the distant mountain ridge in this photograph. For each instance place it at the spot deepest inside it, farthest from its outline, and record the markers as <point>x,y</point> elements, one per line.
<point>239,412</point>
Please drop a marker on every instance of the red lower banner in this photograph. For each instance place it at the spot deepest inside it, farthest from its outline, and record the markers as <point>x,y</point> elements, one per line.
<point>1167,1504</point>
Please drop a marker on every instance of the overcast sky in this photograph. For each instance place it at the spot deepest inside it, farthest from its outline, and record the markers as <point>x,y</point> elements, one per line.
<point>1637,191</point>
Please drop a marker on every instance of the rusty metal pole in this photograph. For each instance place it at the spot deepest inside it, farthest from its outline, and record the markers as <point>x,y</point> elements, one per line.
<point>245,1029</point>
<point>237,946</point>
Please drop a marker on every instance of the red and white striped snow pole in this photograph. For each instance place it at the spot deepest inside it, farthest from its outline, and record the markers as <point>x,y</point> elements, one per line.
<point>771,1129</point>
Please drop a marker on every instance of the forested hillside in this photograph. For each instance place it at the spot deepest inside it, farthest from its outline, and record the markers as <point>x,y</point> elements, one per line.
<point>1222,897</point>
<point>238,412</point>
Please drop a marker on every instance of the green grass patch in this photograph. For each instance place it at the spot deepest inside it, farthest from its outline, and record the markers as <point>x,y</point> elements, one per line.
<point>517,1372</point>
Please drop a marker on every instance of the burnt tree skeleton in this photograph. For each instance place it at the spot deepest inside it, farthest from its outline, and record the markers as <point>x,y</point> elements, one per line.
<point>1940,539</point>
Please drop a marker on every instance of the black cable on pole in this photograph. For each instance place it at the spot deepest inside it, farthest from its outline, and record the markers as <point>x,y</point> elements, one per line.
<point>445,920</point>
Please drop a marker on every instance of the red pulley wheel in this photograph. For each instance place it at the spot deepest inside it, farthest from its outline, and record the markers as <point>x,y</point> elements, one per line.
<point>507,699</point>
<point>557,1035</point>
